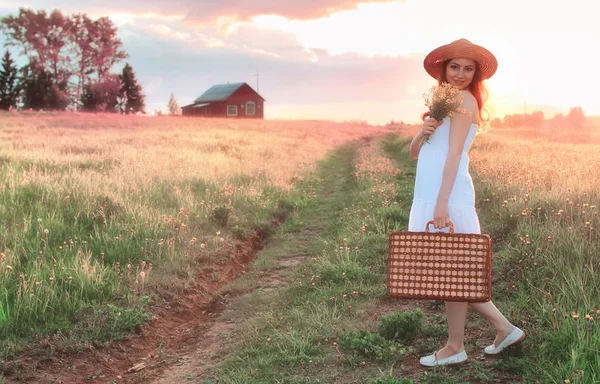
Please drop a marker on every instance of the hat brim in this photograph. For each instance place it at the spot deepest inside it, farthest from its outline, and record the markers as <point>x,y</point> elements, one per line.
<point>488,64</point>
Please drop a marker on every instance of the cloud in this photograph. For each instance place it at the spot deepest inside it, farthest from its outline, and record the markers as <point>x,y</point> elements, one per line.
<point>169,56</point>
<point>166,31</point>
<point>203,10</point>
<point>268,41</point>
<point>342,85</point>
<point>297,9</point>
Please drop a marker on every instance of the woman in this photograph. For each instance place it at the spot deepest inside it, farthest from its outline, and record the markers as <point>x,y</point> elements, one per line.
<point>443,186</point>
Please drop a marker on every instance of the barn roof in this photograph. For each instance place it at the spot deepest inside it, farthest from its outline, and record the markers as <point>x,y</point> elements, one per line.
<point>218,92</point>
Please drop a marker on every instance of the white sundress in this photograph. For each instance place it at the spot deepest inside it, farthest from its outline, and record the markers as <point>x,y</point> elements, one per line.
<point>430,168</point>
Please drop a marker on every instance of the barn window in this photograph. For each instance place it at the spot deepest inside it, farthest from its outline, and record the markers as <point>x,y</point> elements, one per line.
<point>232,110</point>
<point>250,108</point>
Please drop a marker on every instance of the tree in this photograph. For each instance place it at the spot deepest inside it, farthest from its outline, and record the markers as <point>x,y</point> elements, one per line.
<point>576,118</point>
<point>36,88</point>
<point>97,49</point>
<point>101,95</point>
<point>108,47</point>
<point>536,119</point>
<point>173,106</point>
<point>84,34</point>
<point>131,90</point>
<point>9,89</point>
<point>496,123</point>
<point>40,91</point>
<point>44,39</point>
<point>60,47</point>
<point>509,121</point>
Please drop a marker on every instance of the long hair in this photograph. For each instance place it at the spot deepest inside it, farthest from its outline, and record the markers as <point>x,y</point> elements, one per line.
<point>477,88</point>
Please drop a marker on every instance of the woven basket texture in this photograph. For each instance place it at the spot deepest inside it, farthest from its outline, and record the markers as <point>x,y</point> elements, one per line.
<point>440,266</point>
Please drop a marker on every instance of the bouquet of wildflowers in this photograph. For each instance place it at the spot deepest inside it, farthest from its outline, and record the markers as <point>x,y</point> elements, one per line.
<point>443,100</point>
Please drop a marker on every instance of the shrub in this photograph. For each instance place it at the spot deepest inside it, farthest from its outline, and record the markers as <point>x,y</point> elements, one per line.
<point>403,326</point>
<point>221,215</point>
<point>283,210</point>
<point>239,233</point>
<point>263,231</point>
<point>372,345</point>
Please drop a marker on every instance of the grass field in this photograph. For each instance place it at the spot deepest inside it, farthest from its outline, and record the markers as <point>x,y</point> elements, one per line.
<point>541,199</point>
<point>97,211</point>
<point>103,217</point>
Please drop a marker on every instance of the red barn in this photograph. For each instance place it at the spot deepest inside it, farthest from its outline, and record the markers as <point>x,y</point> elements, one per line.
<point>236,100</point>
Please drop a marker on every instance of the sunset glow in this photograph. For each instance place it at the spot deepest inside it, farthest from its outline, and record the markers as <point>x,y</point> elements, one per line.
<point>378,47</point>
<point>395,29</point>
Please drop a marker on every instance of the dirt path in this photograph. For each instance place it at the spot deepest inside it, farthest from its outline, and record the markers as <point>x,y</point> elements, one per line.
<point>182,340</point>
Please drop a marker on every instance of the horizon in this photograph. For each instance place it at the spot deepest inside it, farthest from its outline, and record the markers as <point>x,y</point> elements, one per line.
<point>366,73</point>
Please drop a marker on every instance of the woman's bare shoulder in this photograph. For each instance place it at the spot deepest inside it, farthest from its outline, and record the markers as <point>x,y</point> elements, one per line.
<point>469,104</point>
<point>468,100</point>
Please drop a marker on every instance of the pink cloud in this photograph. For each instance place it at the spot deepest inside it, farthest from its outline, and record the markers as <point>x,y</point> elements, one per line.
<point>205,10</point>
<point>298,9</point>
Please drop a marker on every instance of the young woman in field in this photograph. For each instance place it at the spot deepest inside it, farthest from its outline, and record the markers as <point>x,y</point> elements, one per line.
<point>443,186</point>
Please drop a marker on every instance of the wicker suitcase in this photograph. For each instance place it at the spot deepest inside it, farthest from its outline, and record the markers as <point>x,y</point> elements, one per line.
<point>440,266</point>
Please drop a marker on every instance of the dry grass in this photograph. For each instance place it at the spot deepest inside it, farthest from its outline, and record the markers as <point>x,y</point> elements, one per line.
<point>134,152</point>
<point>537,161</point>
<point>538,194</point>
<point>94,197</point>
<point>556,160</point>
<point>167,148</point>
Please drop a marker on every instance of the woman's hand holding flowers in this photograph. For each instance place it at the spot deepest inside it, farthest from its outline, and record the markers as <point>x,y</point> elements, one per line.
<point>429,126</point>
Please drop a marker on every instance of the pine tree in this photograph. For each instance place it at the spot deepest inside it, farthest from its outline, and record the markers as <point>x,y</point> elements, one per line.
<point>9,89</point>
<point>36,86</point>
<point>132,90</point>
<point>174,106</point>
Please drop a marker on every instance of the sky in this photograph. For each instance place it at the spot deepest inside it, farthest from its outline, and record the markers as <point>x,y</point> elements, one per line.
<point>346,60</point>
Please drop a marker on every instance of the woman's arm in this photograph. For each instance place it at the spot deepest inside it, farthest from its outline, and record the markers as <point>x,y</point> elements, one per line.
<point>428,127</point>
<point>459,130</point>
<point>416,144</point>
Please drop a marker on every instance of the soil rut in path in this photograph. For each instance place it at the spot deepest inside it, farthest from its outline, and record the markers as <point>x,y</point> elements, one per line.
<point>179,333</point>
<point>206,352</point>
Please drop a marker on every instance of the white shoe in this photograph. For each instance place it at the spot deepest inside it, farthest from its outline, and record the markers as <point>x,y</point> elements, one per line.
<point>432,361</point>
<point>514,338</point>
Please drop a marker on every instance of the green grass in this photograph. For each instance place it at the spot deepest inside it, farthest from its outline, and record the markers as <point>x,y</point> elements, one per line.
<point>84,268</point>
<point>71,268</point>
<point>311,329</point>
<point>547,276</point>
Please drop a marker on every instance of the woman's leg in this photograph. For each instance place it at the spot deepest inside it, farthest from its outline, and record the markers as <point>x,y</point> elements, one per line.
<point>494,316</point>
<point>456,312</point>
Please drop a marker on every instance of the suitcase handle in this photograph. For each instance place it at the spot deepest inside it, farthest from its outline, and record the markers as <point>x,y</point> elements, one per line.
<point>432,222</point>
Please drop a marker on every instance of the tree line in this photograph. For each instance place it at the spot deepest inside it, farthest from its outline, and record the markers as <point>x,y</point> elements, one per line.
<point>69,59</point>
<point>575,119</point>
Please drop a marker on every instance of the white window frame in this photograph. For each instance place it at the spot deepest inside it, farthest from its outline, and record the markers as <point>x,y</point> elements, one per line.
<point>232,114</point>
<point>253,104</point>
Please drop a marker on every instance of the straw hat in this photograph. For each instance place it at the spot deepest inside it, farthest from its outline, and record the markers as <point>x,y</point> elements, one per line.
<point>461,48</point>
